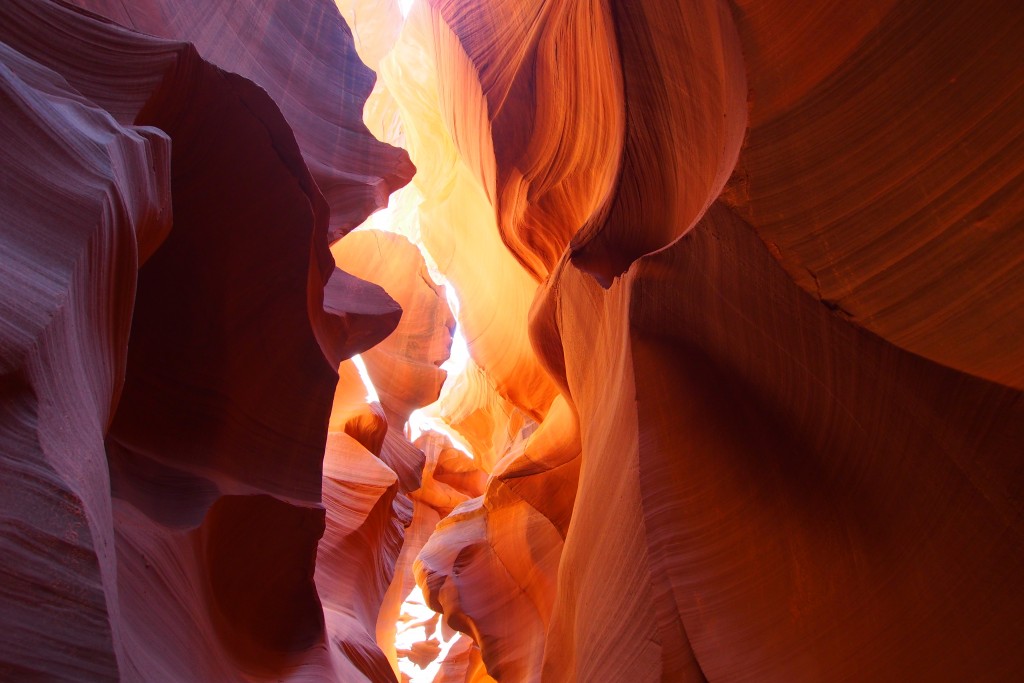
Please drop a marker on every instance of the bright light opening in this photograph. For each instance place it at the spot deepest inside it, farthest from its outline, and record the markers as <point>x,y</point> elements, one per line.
<point>364,374</point>
<point>459,357</point>
<point>419,636</point>
<point>426,419</point>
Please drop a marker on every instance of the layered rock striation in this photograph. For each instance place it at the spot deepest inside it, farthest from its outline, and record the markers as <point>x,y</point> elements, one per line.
<point>173,325</point>
<point>792,452</point>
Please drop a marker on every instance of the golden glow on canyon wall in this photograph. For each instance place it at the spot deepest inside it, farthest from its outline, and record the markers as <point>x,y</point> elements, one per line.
<point>524,138</point>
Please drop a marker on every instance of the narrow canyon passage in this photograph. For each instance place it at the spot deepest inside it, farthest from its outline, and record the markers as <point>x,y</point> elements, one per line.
<point>530,341</point>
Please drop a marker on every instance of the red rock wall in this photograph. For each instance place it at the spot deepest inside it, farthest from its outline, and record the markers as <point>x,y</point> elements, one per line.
<point>820,518</point>
<point>173,322</point>
<point>880,169</point>
<point>80,206</point>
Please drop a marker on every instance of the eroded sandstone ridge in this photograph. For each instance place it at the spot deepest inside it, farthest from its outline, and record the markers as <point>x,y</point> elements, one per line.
<point>741,283</point>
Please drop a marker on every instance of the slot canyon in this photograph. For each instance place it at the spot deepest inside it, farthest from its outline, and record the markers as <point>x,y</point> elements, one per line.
<point>530,341</point>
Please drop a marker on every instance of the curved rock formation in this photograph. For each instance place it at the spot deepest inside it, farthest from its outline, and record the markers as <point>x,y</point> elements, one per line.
<point>456,219</point>
<point>405,367</point>
<point>492,565</point>
<point>209,383</point>
<point>68,282</point>
<point>882,174</point>
<point>355,559</point>
<point>449,479</point>
<point>552,93</point>
<point>491,425</point>
<point>463,664</point>
<point>835,519</point>
<point>778,456</point>
<point>321,98</point>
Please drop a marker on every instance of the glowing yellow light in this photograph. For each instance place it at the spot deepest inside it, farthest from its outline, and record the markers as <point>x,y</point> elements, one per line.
<point>364,374</point>
<point>420,623</point>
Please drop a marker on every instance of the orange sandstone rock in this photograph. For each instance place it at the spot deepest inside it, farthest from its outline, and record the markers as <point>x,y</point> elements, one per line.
<point>492,565</point>
<point>880,168</point>
<point>463,664</point>
<point>741,282</point>
<point>768,489</point>
<point>355,558</point>
<point>456,218</point>
<point>490,424</point>
<point>405,367</point>
<point>797,515</point>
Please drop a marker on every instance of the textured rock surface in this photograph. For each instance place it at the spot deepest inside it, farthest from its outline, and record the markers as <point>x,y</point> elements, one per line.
<point>492,564</point>
<point>356,557</point>
<point>71,250</point>
<point>201,355</point>
<point>302,54</point>
<point>490,424</point>
<point>774,485</point>
<point>883,174</point>
<point>447,479</point>
<point>803,530</point>
<point>463,664</point>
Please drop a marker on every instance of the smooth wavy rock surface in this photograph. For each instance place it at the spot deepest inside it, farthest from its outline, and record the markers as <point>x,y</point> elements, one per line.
<point>773,485</point>
<point>811,525</point>
<point>302,54</point>
<point>72,240</point>
<point>742,283</point>
<point>355,559</point>
<point>463,664</point>
<point>583,96</point>
<point>491,566</point>
<point>881,168</point>
<point>166,401</point>
<point>491,425</point>
<point>456,219</point>
<point>449,478</point>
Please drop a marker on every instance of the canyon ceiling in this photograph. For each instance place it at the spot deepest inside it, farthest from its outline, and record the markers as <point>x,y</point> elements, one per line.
<point>741,284</point>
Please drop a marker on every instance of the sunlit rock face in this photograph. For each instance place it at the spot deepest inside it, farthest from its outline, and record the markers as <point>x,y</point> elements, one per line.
<point>740,283</point>
<point>453,217</point>
<point>490,566</point>
<point>780,268</point>
<point>404,368</point>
